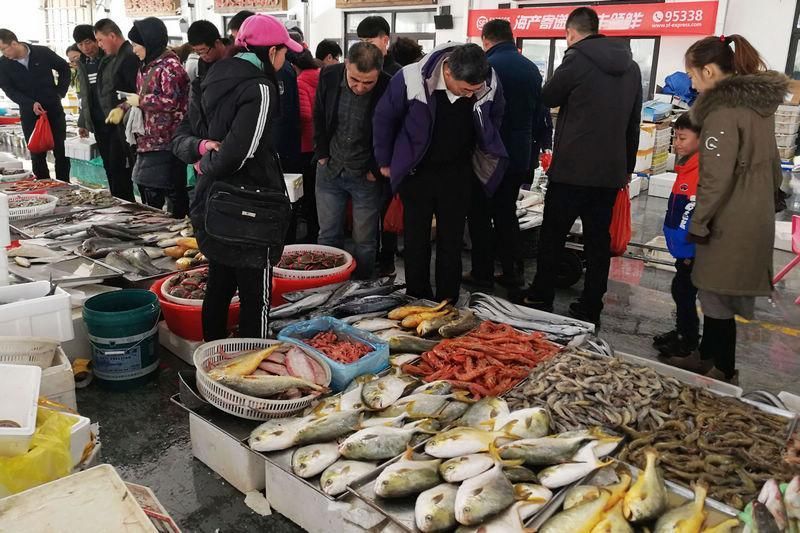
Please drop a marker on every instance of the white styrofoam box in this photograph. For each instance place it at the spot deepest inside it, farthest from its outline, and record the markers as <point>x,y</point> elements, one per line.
<point>79,347</point>
<point>783,236</point>
<point>79,295</point>
<point>645,183</point>
<point>671,159</point>
<point>786,111</point>
<point>58,382</point>
<point>237,464</point>
<point>26,311</point>
<point>93,459</point>
<point>66,503</point>
<point>661,184</point>
<point>182,348</point>
<point>786,141</point>
<point>77,148</point>
<point>635,186</point>
<point>644,160</point>
<point>788,152</point>
<point>787,128</point>
<point>79,436</point>
<point>647,136</point>
<point>20,388</point>
<point>294,184</point>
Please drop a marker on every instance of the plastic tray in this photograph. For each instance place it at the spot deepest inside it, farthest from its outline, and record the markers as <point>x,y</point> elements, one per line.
<point>26,311</point>
<point>36,351</point>
<point>306,274</point>
<point>20,213</point>
<point>239,404</point>
<point>786,141</point>
<point>20,386</point>
<point>787,128</point>
<point>343,374</point>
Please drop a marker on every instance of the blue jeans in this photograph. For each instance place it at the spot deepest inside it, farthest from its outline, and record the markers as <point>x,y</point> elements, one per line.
<point>333,191</point>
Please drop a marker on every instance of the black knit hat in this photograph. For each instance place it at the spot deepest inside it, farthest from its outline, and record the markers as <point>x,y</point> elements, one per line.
<point>83,32</point>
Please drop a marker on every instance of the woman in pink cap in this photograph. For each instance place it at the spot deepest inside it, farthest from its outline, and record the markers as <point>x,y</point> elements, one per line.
<point>240,188</point>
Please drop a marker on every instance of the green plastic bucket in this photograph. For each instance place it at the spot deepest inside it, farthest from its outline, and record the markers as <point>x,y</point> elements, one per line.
<point>123,332</point>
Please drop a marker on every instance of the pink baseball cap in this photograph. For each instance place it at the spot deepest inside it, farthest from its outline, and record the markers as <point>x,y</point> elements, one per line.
<point>264,30</point>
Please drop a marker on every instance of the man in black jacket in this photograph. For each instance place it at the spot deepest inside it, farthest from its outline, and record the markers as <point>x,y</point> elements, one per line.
<point>26,76</point>
<point>117,72</point>
<point>346,99</point>
<point>598,88</point>
<point>522,89</point>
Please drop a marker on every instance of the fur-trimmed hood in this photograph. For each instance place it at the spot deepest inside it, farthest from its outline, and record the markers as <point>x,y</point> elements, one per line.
<point>762,92</point>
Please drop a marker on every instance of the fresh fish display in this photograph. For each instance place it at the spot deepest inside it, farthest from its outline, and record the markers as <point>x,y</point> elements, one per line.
<point>355,318</point>
<point>312,301</point>
<point>542,451</point>
<point>24,262</point>
<point>588,390</point>
<point>98,247</point>
<point>579,519</point>
<point>557,328</point>
<point>34,251</point>
<point>531,423</point>
<point>466,466</point>
<point>114,231</point>
<point>374,325</point>
<point>585,462</point>
<point>407,476</point>
<point>483,496</point>
<point>67,231</point>
<point>434,510</point>
<point>440,387</point>
<point>687,517</point>
<point>709,439</point>
<point>461,441</point>
<point>520,474</point>
<point>266,386</point>
<point>388,334</point>
<point>381,442</point>
<point>452,411</point>
<point>431,326</point>
<point>311,460</point>
<point>488,361</point>
<point>241,365</point>
<point>329,427</point>
<point>367,304</point>
<point>385,391</point>
<point>530,499</point>
<point>465,322</point>
<point>410,344</point>
<point>413,321</point>
<point>647,497</point>
<point>339,475</point>
<point>402,312</point>
<point>140,261</point>
<point>277,434</point>
<point>613,521</point>
<point>483,411</point>
<point>295,296</point>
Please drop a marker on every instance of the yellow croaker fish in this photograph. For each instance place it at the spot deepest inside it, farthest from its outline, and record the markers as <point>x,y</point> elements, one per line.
<point>647,497</point>
<point>580,519</point>
<point>613,521</point>
<point>687,518</point>
<point>413,321</point>
<point>725,527</point>
<point>243,365</point>
<point>401,312</point>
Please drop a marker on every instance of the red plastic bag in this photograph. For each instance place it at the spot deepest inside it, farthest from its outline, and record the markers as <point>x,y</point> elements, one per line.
<point>621,223</point>
<point>42,137</point>
<point>393,221</point>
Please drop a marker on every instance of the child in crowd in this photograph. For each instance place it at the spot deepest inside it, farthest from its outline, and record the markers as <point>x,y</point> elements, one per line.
<point>683,340</point>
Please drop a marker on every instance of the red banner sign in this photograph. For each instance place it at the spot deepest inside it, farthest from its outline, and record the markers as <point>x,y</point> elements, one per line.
<point>631,20</point>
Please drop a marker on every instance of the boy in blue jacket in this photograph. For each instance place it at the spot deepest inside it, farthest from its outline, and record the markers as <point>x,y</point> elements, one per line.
<point>681,341</point>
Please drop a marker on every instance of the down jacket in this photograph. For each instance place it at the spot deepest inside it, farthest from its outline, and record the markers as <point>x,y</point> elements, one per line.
<point>403,121</point>
<point>163,100</point>
<point>307,82</point>
<point>740,174</point>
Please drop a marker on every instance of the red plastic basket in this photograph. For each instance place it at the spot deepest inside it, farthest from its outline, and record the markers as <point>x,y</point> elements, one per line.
<point>185,320</point>
<point>284,285</point>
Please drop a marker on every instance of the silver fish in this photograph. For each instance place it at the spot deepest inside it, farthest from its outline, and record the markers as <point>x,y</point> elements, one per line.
<point>141,261</point>
<point>482,412</point>
<point>328,427</point>
<point>461,468</point>
<point>542,451</point>
<point>295,296</point>
<point>530,500</point>
<point>388,334</point>
<point>339,475</point>
<point>461,441</point>
<point>276,434</point>
<point>483,496</point>
<point>562,475</point>
<point>582,517</point>
<point>64,231</point>
<point>380,442</point>
<point>116,260</point>
<point>406,477</point>
<point>308,303</point>
<point>452,411</point>
<point>385,391</point>
<point>435,387</point>
<point>34,251</point>
<point>434,510</point>
<point>24,262</point>
<point>311,460</point>
<point>376,324</point>
<point>531,423</point>
<point>266,386</point>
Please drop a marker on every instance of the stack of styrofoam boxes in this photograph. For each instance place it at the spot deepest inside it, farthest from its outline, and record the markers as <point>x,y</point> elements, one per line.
<point>787,123</point>
<point>647,141</point>
<point>661,184</point>
<point>58,382</point>
<point>663,140</point>
<point>82,149</point>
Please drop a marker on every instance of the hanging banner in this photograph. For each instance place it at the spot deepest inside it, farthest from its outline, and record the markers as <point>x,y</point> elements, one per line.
<point>234,6</point>
<point>152,8</point>
<point>628,20</point>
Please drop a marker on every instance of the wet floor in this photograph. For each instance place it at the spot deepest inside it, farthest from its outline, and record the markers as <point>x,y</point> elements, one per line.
<point>146,437</point>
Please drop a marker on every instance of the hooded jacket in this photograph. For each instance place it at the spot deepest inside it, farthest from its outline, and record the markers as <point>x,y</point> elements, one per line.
<point>740,173</point>
<point>598,88</point>
<point>163,87</point>
<point>679,208</point>
<point>237,108</point>
<point>404,116</point>
<point>522,89</point>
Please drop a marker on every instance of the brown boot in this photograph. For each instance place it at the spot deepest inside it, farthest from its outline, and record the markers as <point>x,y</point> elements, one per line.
<point>691,362</point>
<point>719,375</point>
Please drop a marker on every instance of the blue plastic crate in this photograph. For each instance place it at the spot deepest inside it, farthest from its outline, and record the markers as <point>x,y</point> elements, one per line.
<point>341,374</point>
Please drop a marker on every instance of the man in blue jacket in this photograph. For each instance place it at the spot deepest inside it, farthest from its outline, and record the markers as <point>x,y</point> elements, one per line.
<point>436,129</point>
<point>522,89</point>
<point>26,76</point>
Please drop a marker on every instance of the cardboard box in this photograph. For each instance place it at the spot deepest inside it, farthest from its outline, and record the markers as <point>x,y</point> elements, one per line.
<point>653,111</point>
<point>793,95</point>
<point>644,160</point>
<point>647,136</point>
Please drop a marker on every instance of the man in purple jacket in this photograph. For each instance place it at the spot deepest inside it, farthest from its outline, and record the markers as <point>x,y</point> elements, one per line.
<point>435,129</point>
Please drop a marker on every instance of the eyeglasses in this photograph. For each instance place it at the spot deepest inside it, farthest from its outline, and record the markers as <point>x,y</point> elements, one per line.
<point>201,51</point>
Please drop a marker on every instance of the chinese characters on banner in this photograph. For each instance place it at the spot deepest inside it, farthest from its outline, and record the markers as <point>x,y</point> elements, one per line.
<point>234,6</point>
<point>151,8</point>
<point>677,18</point>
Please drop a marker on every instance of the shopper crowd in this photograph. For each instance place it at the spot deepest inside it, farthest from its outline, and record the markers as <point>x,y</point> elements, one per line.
<point>455,133</point>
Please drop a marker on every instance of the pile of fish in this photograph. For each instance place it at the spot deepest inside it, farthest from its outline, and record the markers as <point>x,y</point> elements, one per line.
<point>351,301</point>
<point>420,321</point>
<point>558,328</point>
<point>724,442</point>
<point>777,508</point>
<point>467,474</point>
<point>311,260</point>
<point>488,361</point>
<point>280,372</point>
<point>340,349</point>
<point>133,261</point>
<point>582,390</point>
<point>613,502</point>
<point>345,436</point>
<point>27,254</point>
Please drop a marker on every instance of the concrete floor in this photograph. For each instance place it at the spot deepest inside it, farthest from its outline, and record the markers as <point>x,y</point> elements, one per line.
<point>146,437</point>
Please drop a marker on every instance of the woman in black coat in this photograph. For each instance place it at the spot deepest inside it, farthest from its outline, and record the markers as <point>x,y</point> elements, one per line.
<point>231,141</point>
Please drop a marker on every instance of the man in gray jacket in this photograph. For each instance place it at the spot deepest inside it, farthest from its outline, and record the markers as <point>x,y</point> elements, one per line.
<point>116,72</point>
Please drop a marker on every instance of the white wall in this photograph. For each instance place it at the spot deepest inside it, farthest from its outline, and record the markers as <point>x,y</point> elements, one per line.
<point>24,18</point>
<point>765,23</point>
